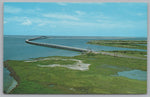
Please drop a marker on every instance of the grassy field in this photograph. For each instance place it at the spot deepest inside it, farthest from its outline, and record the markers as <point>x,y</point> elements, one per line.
<point>130,53</point>
<point>100,78</point>
<point>120,43</point>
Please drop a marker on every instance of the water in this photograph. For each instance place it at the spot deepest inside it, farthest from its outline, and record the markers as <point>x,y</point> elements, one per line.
<point>15,48</point>
<point>8,80</point>
<point>134,74</point>
<point>142,44</point>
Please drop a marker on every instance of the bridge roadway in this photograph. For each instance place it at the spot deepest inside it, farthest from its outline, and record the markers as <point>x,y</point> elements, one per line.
<point>54,45</point>
<point>76,49</point>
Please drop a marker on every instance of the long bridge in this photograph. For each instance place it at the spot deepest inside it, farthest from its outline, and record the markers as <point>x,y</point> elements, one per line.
<point>54,45</point>
<point>75,49</point>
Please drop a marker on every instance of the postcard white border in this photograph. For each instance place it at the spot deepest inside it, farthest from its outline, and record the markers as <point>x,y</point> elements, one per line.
<point>36,95</point>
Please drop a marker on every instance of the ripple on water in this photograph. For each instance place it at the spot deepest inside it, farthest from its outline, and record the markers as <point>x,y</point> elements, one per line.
<point>134,74</point>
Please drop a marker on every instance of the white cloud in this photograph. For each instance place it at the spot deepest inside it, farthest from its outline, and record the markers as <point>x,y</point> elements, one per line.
<point>104,21</point>
<point>15,10</point>
<point>61,16</point>
<point>80,12</point>
<point>38,9</point>
<point>140,14</point>
<point>5,22</point>
<point>12,19</point>
<point>46,22</point>
<point>27,22</point>
<point>62,3</point>
<point>102,16</point>
<point>10,9</point>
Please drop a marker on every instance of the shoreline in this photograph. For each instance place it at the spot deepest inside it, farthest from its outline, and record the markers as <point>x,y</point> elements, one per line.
<point>17,79</point>
<point>12,74</point>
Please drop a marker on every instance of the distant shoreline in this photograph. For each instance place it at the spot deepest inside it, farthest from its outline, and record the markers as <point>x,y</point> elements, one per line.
<point>79,37</point>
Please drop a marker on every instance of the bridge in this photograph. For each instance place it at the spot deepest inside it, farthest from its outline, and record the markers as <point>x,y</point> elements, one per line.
<point>30,41</point>
<point>75,49</point>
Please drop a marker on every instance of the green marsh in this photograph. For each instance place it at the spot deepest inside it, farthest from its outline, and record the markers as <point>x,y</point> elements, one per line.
<point>99,79</point>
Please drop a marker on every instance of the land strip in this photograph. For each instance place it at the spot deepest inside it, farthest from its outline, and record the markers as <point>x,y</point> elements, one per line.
<point>121,43</point>
<point>121,55</point>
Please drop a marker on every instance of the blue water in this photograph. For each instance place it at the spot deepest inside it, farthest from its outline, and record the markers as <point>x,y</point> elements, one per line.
<point>15,48</point>
<point>142,44</point>
<point>134,74</point>
<point>7,79</point>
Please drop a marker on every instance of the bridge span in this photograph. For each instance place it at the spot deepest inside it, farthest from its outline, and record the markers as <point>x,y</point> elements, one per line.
<point>30,41</point>
<point>76,49</point>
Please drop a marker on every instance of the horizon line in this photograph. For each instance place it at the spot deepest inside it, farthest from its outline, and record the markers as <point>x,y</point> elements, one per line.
<point>78,36</point>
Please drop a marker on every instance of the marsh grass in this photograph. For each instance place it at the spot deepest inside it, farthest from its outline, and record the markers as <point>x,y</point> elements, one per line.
<point>120,43</point>
<point>97,80</point>
<point>53,61</point>
<point>131,53</point>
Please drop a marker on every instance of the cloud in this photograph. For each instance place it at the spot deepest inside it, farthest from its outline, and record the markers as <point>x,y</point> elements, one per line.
<point>62,3</point>
<point>5,22</point>
<point>102,16</point>
<point>61,16</point>
<point>40,24</point>
<point>100,3</point>
<point>23,20</point>
<point>27,22</point>
<point>16,10</point>
<point>71,21</point>
<point>13,19</point>
<point>140,14</point>
<point>80,12</point>
<point>10,9</point>
<point>66,23</point>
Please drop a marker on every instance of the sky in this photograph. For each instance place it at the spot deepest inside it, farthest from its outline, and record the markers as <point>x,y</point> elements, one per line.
<point>75,19</point>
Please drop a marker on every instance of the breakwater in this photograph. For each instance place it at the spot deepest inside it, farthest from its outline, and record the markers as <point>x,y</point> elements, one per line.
<point>30,41</point>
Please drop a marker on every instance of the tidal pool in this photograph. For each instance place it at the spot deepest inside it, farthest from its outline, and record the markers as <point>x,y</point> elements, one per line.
<point>134,74</point>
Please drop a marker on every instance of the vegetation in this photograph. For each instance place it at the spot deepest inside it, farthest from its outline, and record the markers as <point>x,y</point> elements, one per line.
<point>130,53</point>
<point>54,61</point>
<point>101,78</point>
<point>121,43</point>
